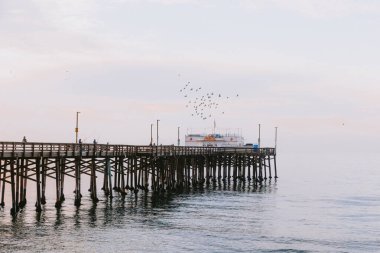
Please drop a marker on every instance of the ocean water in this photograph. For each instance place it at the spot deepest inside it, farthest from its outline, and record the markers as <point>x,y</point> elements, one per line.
<point>320,203</point>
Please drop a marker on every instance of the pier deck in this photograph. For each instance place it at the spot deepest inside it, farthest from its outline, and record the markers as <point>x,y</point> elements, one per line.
<point>125,167</point>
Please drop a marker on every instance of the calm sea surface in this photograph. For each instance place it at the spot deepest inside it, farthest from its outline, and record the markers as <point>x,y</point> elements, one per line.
<point>319,204</point>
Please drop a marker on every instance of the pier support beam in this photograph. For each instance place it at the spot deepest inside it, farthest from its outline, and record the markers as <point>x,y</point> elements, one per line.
<point>255,169</point>
<point>62,175</point>
<point>2,204</point>
<point>146,175</point>
<point>109,176</point>
<point>269,168</point>
<point>1,180</point>
<point>135,171</point>
<point>260,169</point>
<point>13,189</point>
<point>24,182</point>
<point>244,168</point>
<point>265,168</point>
<point>275,166</point>
<point>249,168</point>
<point>43,174</point>
<point>78,194</point>
<point>234,175</point>
<point>219,159</point>
<point>207,163</point>
<point>229,167</point>
<point>58,183</point>
<point>224,168</point>
<point>116,175</point>
<point>121,169</point>
<point>38,184</point>
<point>18,183</point>
<point>94,195</point>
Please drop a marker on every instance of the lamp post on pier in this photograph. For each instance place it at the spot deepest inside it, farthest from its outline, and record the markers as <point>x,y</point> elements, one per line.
<point>151,134</point>
<point>179,141</point>
<point>157,131</point>
<point>275,139</point>
<point>259,140</point>
<point>77,128</point>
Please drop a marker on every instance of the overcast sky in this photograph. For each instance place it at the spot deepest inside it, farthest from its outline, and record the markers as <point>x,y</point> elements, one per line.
<point>310,67</point>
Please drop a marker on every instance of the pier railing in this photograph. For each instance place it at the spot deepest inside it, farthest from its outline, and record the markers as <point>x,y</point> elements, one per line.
<point>38,149</point>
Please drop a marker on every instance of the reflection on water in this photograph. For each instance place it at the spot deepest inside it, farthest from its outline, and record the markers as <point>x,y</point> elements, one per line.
<point>143,214</point>
<point>310,209</point>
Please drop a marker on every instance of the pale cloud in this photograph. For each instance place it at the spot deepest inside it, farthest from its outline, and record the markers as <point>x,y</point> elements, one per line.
<point>319,8</point>
<point>74,16</point>
<point>165,2</point>
<point>176,1</point>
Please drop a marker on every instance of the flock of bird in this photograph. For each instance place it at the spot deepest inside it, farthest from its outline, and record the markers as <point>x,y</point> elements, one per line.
<point>203,104</point>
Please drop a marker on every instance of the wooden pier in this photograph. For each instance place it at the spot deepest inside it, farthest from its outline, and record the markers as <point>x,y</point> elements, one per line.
<point>124,168</point>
